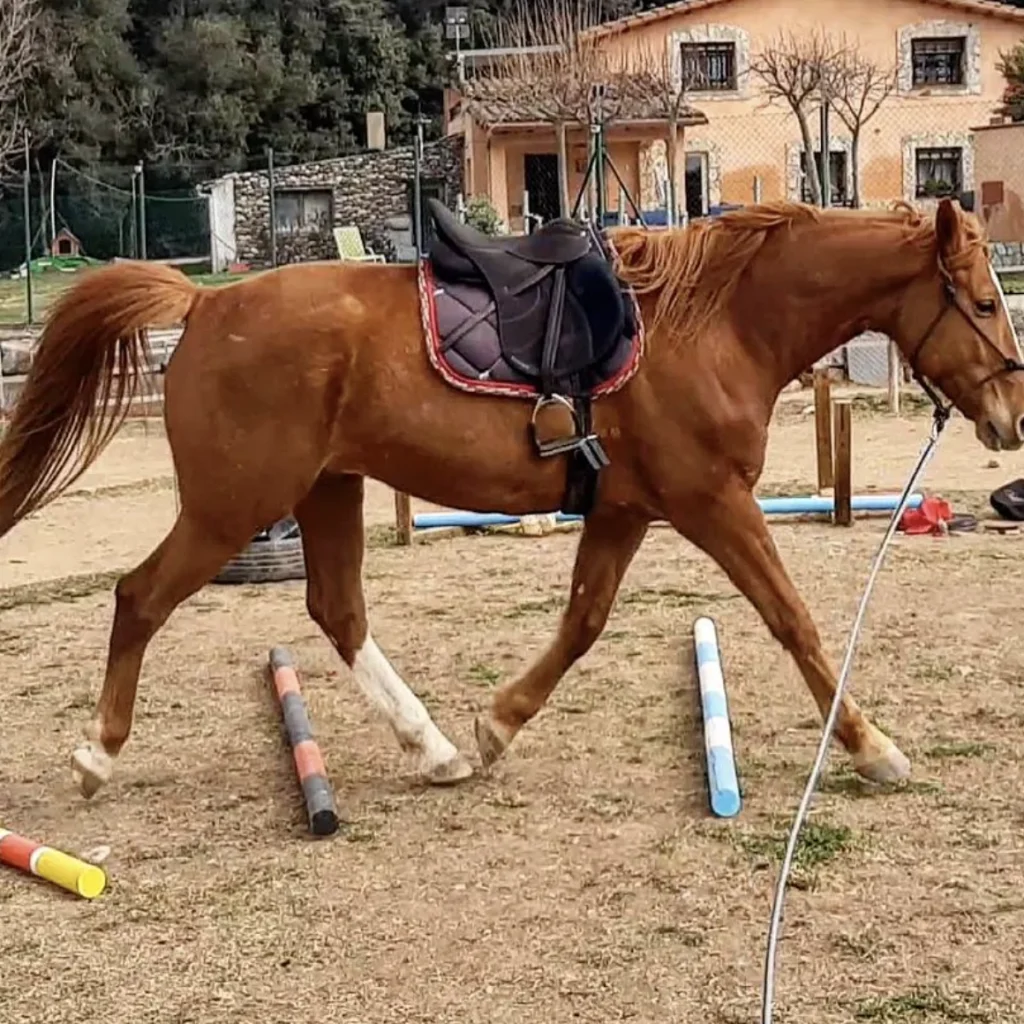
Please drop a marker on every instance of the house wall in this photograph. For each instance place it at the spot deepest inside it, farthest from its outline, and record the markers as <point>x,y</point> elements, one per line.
<point>999,166</point>
<point>749,136</point>
<point>223,247</point>
<point>366,190</point>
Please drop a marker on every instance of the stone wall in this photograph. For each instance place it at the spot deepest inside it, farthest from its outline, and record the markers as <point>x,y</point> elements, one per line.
<point>1007,254</point>
<point>366,189</point>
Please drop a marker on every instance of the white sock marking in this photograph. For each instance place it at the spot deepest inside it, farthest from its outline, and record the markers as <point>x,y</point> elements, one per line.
<point>402,708</point>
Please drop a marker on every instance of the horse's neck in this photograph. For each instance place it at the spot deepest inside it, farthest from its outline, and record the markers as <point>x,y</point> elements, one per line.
<point>824,285</point>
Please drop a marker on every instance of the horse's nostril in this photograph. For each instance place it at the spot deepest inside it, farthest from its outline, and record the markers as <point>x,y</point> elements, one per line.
<point>1020,429</point>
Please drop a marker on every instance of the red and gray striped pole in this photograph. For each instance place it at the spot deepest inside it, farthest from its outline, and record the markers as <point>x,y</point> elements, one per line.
<point>309,763</point>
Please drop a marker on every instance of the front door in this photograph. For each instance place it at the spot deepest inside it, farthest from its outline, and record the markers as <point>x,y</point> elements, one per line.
<point>696,185</point>
<point>540,178</point>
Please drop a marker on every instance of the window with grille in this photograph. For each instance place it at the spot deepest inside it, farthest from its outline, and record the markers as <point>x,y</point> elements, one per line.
<point>837,176</point>
<point>939,171</point>
<point>709,67</point>
<point>303,210</point>
<point>938,61</point>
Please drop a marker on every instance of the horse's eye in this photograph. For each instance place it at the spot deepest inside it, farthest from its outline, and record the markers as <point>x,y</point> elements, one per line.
<point>986,307</point>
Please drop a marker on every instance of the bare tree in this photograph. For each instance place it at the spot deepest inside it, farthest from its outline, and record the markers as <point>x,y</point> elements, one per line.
<point>656,76</point>
<point>797,68</point>
<point>556,72</point>
<point>857,89</point>
<point>20,36</point>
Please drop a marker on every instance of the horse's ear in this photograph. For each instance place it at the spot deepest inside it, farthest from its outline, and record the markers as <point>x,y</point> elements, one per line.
<point>948,226</point>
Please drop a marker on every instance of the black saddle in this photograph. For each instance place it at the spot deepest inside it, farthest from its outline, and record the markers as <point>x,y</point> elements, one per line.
<point>559,306</point>
<point>558,242</point>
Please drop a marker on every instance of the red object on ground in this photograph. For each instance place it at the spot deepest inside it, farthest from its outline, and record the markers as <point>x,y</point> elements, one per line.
<point>929,517</point>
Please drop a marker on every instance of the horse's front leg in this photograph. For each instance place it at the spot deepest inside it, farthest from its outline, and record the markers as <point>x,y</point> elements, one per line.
<point>731,528</point>
<point>607,545</point>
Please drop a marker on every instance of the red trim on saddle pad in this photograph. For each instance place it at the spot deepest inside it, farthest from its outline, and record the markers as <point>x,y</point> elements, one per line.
<point>472,385</point>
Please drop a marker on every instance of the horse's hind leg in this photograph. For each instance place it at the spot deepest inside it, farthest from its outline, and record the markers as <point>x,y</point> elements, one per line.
<point>187,558</point>
<point>331,520</point>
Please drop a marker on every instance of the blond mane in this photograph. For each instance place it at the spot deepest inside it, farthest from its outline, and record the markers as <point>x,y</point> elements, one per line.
<point>694,271</point>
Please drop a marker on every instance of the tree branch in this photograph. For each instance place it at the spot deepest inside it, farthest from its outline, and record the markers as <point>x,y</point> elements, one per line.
<point>858,87</point>
<point>558,84</point>
<point>19,55</point>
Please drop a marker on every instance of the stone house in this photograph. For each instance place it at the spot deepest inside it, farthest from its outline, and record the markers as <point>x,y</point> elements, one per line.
<point>365,189</point>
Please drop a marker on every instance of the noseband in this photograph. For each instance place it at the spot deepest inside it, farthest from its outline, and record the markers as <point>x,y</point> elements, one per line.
<point>1010,365</point>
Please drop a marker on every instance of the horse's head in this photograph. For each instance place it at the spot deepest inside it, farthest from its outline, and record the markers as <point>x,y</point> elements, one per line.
<point>955,331</point>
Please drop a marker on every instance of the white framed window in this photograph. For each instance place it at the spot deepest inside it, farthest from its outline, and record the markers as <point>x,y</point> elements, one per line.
<point>840,168</point>
<point>943,56</point>
<point>938,171</point>
<point>839,176</point>
<point>708,67</point>
<point>938,61</point>
<point>711,61</point>
<point>937,165</point>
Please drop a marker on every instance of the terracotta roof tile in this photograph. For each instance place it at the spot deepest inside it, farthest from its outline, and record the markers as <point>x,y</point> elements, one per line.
<point>992,7</point>
<point>493,102</point>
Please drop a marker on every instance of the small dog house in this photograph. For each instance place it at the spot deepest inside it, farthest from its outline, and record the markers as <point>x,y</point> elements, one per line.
<point>65,244</point>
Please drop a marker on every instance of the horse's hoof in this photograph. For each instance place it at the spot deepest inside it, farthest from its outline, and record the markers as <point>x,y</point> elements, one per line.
<point>91,769</point>
<point>884,765</point>
<point>451,772</point>
<point>489,741</point>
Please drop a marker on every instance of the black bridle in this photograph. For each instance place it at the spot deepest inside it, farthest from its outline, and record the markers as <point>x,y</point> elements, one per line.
<point>952,302</point>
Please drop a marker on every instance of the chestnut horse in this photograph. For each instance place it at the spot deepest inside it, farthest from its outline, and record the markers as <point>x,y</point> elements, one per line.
<point>289,388</point>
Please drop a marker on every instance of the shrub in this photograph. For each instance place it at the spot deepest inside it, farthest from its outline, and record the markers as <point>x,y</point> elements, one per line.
<point>481,215</point>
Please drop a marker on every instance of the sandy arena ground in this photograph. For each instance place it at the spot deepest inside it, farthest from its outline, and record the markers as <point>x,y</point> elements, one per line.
<point>584,879</point>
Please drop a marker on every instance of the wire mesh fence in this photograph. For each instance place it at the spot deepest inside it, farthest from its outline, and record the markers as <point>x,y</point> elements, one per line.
<point>910,149</point>
<point>107,210</point>
<point>60,216</point>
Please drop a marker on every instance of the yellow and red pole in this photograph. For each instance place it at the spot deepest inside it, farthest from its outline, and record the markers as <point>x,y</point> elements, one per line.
<point>86,880</point>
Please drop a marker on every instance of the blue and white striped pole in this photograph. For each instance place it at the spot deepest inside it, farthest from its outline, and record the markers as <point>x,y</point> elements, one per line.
<point>723,786</point>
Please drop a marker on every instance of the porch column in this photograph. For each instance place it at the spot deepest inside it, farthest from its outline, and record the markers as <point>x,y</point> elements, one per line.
<point>498,174</point>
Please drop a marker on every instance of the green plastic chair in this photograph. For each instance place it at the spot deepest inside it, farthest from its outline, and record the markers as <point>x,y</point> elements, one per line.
<point>350,246</point>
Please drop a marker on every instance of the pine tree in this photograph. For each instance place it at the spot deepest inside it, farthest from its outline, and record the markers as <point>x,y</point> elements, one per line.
<point>1012,68</point>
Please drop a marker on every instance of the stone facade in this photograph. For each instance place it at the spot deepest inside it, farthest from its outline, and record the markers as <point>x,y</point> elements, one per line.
<point>970,32</point>
<point>653,164</point>
<point>654,170</point>
<point>1017,316</point>
<point>1007,254</point>
<point>16,352</point>
<point>366,189</point>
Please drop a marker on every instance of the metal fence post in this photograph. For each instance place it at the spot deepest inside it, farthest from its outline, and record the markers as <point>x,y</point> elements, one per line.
<point>142,210</point>
<point>273,206</point>
<point>27,192</point>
